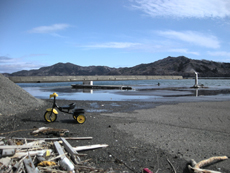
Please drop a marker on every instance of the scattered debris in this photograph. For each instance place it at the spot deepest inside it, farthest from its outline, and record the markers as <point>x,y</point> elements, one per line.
<point>119,161</point>
<point>90,147</point>
<point>146,170</point>
<point>50,130</point>
<point>196,167</point>
<point>33,155</point>
<point>52,139</point>
<point>44,155</point>
<point>174,170</point>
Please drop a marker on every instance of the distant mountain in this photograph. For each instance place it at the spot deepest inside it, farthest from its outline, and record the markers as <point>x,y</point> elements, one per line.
<point>181,66</point>
<point>168,66</point>
<point>67,69</point>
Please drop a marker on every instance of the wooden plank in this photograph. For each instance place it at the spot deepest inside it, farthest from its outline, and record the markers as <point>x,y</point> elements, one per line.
<point>59,149</point>
<point>90,147</point>
<point>29,165</point>
<point>32,153</point>
<point>52,139</point>
<point>64,161</point>
<point>71,151</point>
<point>16,146</point>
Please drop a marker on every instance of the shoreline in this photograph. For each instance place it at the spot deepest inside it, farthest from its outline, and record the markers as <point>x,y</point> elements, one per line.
<point>142,134</point>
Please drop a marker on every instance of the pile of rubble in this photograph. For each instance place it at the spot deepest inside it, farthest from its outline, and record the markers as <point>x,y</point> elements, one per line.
<point>56,155</point>
<point>33,155</point>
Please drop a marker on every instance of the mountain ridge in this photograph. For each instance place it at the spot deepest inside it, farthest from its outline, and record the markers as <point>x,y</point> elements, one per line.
<point>180,65</point>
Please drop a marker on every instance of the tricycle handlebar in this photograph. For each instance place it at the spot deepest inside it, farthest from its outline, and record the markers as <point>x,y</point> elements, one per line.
<point>53,95</point>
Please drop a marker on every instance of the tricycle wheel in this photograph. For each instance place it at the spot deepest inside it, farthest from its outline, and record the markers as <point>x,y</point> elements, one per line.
<point>79,118</point>
<point>50,116</point>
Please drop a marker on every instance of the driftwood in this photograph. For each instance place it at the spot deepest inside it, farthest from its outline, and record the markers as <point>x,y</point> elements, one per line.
<point>51,139</point>
<point>27,157</point>
<point>71,151</point>
<point>16,146</point>
<point>32,153</point>
<point>64,161</point>
<point>90,147</point>
<point>29,165</point>
<point>38,156</point>
<point>174,170</point>
<point>35,143</point>
<point>50,130</point>
<point>197,167</point>
<point>15,131</point>
<point>18,165</point>
<point>121,162</point>
<point>5,161</point>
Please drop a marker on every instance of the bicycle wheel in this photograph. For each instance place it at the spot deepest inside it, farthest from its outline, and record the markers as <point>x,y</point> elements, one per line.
<point>50,116</point>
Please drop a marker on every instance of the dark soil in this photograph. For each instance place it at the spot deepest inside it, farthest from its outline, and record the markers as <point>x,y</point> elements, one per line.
<point>125,153</point>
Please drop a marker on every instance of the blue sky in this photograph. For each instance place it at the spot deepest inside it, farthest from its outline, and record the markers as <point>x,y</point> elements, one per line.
<point>114,33</point>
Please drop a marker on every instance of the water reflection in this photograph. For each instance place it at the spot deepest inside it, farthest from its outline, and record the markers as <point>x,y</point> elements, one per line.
<point>67,93</point>
<point>210,92</point>
<point>88,91</point>
<point>143,90</point>
<point>196,92</point>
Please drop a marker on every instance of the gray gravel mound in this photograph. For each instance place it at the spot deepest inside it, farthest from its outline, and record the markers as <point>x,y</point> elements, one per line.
<point>14,100</point>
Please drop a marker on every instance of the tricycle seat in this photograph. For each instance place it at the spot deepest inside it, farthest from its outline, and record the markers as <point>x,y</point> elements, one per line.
<point>70,106</point>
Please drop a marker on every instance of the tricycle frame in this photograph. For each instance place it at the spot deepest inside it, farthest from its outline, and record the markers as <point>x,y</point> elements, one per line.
<point>51,113</point>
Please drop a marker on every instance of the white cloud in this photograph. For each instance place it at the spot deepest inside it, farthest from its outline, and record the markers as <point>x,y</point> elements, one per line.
<point>115,45</point>
<point>10,65</point>
<point>10,68</point>
<point>196,38</point>
<point>5,59</point>
<point>184,51</point>
<point>49,29</point>
<point>220,53</point>
<point>153,46</point>
<point>184,8</point>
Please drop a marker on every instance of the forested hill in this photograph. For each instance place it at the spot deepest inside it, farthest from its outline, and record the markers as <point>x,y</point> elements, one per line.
<point>168,66</point>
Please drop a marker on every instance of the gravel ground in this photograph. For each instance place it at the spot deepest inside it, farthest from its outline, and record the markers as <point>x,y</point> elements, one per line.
<point>14,99</point>
<point>141,134</point>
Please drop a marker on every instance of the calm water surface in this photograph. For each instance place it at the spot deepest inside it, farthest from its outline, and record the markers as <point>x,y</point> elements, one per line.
<point>147,90</point>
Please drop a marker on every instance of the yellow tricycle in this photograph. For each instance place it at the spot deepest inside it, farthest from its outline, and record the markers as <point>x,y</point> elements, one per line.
<point>51,113</point>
